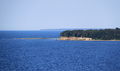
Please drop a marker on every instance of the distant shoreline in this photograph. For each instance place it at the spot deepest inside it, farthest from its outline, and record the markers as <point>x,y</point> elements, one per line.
<point>83,39</point>
<point>68,40</point>
<point>92,35</point>
<point>32,38</point>
<point>91,40</point>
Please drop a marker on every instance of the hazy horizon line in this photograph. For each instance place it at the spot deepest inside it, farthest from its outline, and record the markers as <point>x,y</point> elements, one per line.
<point>60,29</point>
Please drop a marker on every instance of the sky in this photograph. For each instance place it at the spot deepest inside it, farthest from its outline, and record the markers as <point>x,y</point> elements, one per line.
<point>58,14</point>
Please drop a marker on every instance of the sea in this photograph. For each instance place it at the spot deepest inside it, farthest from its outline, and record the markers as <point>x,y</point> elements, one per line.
<point>55,55</point>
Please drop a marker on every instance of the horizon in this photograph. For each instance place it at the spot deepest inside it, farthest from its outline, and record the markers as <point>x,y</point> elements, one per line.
<point>62,29</point>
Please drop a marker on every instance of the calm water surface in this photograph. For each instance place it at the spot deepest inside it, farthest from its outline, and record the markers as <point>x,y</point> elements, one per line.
<point>55,55</point>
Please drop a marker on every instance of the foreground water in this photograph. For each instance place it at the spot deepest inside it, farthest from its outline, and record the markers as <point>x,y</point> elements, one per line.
<point>55,55</point>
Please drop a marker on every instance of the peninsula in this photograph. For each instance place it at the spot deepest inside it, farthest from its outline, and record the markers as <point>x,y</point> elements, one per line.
<point>91,35</point>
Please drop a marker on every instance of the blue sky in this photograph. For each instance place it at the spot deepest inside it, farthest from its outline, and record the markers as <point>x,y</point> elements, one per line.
<point>58,14</point>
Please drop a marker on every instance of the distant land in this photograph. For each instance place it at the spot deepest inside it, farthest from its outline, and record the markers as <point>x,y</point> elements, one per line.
<point>64,29</point>
<point>91,34</point>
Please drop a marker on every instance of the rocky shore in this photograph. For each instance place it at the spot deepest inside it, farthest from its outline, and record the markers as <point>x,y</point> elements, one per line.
<point>75,38</point>
<point>82,39</point>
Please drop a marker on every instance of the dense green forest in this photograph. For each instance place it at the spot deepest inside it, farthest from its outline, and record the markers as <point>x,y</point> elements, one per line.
<point>102,34</point>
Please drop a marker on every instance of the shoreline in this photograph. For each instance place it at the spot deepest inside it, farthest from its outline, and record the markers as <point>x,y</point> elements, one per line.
<point>31,38</point>
<point>83,39</point>
<point>90,40</point>
<point>67,40</point>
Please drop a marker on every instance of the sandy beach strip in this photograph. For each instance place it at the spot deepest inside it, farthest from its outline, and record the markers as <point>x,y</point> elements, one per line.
<point>32,38</point>
<point>37,38</point>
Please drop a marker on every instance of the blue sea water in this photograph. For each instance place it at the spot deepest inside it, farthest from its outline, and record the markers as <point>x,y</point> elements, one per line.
<point>55,55</point>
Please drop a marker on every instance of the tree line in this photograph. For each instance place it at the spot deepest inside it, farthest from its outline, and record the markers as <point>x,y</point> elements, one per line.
<point>102,34</point>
